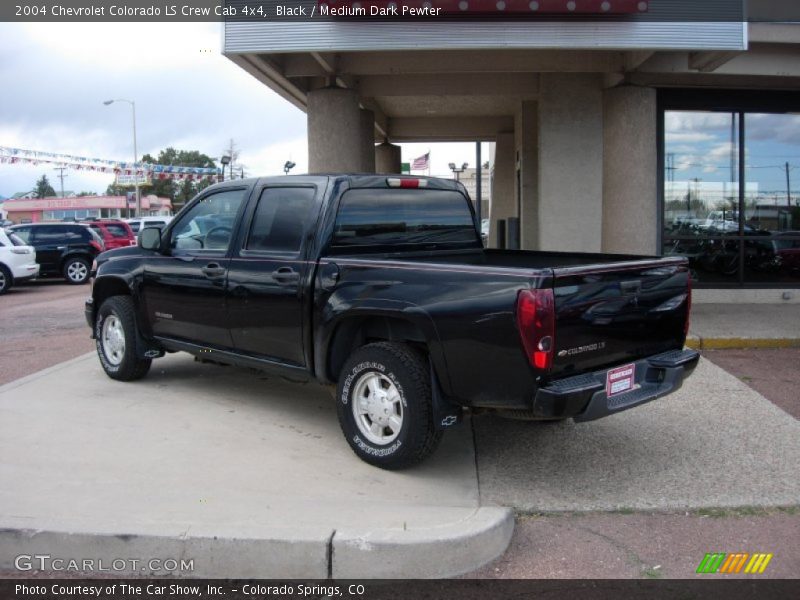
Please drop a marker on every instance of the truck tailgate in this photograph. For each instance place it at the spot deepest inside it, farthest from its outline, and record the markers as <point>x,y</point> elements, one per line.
<point>616,313</point>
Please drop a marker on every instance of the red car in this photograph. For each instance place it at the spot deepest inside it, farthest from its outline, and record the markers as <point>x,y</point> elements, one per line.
<point>115,233</point>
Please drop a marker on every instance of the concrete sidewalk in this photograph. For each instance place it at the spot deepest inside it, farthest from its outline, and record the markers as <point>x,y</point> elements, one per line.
<point>717,326</point>
<point>247,475</point>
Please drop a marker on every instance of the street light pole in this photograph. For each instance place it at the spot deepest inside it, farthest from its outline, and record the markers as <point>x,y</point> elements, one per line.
<point>458,170</point>
<point>135,152</point>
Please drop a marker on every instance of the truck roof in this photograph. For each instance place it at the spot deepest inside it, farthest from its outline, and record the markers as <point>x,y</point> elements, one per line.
<point>356,180</point>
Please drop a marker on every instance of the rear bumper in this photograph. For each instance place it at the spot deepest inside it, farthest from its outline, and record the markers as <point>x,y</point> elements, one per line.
<point>25,272</point>
<point>584,397</point>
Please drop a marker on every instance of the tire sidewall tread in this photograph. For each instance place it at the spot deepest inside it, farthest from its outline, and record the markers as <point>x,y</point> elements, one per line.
<point>408,371</point>
<point>131,367</point>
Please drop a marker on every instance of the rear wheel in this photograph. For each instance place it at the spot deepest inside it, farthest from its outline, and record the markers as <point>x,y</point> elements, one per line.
<point>384,405</point>
<point>5,279</point>
<point>115,338</point>
<point>76,270</point>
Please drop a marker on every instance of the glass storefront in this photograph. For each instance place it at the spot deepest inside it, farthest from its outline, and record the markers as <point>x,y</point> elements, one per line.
<point>731,195</point>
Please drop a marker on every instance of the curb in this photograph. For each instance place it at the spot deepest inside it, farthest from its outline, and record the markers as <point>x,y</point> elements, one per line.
<point>286,553</point>
<point>696,342</point>
<point>446,551</point>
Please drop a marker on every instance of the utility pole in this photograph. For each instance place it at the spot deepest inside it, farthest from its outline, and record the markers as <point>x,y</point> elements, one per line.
<point>62,169</point>
<point>788,187</point>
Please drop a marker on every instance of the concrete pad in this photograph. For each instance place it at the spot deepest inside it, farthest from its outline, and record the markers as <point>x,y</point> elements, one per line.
<point>714,443</point>
<point>246,473</point>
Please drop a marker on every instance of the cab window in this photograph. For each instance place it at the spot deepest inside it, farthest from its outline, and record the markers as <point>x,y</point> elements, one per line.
<point>209,224</point>
<point>281,218</point>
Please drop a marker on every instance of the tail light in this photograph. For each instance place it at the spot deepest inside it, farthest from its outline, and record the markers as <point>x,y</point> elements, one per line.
<point>406,182</point>
<point>97,245</point>
<point>688,306</point>
<point>536,321</point>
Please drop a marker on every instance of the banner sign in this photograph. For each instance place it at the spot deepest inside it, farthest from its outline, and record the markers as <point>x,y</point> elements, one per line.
<point>143,171</point>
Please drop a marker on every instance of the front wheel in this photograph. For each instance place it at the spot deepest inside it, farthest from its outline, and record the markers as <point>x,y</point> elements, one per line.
<point>384,405</point>
<point>115,338</point>
<point>77,270</point>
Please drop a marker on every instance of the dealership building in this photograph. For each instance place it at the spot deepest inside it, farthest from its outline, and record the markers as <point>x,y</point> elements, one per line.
<point>618,126</point>
<point>35,210</point>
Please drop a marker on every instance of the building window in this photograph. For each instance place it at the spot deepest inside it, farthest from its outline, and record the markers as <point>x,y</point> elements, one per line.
<point>731,192</point>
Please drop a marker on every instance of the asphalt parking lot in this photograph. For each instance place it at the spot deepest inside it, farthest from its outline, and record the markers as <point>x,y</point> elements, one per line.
<point>41,324</point>
<point>712,468</point>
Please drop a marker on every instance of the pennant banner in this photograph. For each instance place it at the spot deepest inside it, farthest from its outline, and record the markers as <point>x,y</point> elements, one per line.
<point>81,163</point>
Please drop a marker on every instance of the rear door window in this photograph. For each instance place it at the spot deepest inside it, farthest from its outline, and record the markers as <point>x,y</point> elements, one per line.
<point>281,218</point>
<point>51,234</point>
<point>24,233</point>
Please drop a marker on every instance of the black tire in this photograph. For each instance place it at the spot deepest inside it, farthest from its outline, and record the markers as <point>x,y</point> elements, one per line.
<point>388,364</point>
<point>6,280</point>
<point>76,270</point>
<point>119,362</point>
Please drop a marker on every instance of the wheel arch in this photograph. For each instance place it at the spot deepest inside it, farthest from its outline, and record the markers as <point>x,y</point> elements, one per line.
<point>105,287</point>
<point>356,330</point>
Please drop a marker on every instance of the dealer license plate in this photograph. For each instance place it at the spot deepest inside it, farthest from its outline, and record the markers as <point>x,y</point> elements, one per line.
<point>620,380</point>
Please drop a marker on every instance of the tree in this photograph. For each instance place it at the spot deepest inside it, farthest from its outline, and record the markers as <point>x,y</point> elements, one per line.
<point>115,190</point>
<point>43,188</point>
<point>234,170</point>
<point>179,192</point>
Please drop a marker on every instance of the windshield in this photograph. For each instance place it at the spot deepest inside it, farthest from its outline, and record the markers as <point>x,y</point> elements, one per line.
<point>410,217</point>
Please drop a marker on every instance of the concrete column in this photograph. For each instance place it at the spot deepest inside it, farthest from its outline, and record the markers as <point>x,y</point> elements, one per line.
<point>571,162</point>
<point>367,145</point>
<point>630,171</point>
<point>504,202</point>
<point>334,131</point>
<point>387,158</point>
<point>527,144</point>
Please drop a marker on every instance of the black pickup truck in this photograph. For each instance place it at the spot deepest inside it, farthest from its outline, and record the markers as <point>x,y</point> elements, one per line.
<point>381,285</point>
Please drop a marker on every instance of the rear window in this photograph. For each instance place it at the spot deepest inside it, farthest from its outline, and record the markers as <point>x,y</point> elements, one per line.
<point>15,239</point>
<point>410,217</point>
<point>117,230</point>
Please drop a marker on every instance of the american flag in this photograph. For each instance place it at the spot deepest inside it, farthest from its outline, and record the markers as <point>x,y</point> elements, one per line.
<point>422,163</point>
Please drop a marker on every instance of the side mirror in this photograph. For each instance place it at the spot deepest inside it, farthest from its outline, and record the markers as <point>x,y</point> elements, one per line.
<point>150,238</point>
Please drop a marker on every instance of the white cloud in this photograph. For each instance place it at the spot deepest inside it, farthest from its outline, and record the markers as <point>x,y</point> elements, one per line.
<point>187,96</point>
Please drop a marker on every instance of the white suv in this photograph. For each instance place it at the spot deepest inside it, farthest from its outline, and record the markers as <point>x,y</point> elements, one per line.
<point>17,260</point>
<point>139,223</point>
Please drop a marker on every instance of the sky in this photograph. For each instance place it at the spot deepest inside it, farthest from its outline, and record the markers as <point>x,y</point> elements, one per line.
<point>57,75</point>
<point>700,143</point>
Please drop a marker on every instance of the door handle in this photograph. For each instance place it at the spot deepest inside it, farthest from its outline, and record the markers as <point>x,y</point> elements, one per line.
<point>286,275</point>
<point>213,270</point>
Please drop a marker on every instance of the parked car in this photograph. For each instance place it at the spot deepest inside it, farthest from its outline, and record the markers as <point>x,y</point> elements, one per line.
<point>62,249</point>
<point>115,233</point>
<point>380,285</point>
<point>787,246</point>
<point>138,223</point>
<point>17,261</point>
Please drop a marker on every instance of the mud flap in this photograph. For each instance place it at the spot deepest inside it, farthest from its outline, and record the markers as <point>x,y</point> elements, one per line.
<point>445,413</point>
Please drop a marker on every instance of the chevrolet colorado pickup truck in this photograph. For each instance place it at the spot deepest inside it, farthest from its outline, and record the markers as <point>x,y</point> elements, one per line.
<point>381,285</point>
